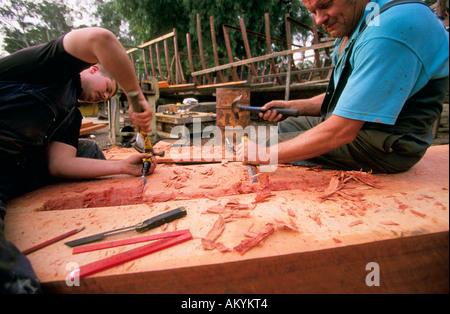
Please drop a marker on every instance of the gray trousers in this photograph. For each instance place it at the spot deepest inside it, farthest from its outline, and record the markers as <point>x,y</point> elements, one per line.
<point>372,150</point>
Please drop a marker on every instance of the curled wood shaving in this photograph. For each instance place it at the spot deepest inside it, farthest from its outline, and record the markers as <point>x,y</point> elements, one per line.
<point>213,234</point>
<point>247,244</point>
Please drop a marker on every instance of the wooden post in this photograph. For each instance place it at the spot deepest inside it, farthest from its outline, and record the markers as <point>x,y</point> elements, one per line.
<point>191,60</point>
<point>144,57</point>
<point>214,44</point>
<point>152,60</point>
<point>246,45</point>
<point>229,52</point>
<point>269,48</point>
<point>177,57</point>
<point>158,58</point>
<point>168,68</point>
<point>200,46</point>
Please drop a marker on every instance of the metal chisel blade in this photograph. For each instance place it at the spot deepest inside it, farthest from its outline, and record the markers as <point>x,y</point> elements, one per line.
<point>97,237</point>
<point>252,173</point>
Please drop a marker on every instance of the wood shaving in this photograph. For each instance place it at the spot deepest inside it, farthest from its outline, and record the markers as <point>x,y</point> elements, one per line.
<point>213,234</point>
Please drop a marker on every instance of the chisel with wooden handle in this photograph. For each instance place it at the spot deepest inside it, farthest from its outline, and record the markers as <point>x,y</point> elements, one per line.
<point>143,143</point>
<point>146,225</point>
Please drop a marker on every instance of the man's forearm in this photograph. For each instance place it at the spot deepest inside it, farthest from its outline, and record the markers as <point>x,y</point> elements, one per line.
<point>331,134</point>
<point>308,107</point>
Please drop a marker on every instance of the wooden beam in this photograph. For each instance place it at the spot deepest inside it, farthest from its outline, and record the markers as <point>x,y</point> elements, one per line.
<point>256,59</point>
<point>230,53</point>
<point>269,48</point>
<point>200,47</point>
<point>214,45</point>
<point>191,60</point>
<point>154,41</point>
<point>158,58</point>
<point>168,68</point>
<point>179,68</point>
<point>247,46</point>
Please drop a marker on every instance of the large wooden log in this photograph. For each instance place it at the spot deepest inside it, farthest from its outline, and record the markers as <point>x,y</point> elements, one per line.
<point>401,225</point>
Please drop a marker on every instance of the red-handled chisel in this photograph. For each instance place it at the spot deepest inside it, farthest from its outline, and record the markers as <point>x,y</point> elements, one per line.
<point>148,224</point>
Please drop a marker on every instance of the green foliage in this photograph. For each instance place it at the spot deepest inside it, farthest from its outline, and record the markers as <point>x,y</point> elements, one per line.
<point>150,19</point>
<point>27,22</point>
<point>24,23</point>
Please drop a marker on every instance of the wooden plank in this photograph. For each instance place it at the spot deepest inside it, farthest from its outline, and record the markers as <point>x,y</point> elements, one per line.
<point>152,61</point>
<point>247,45</point>
<point>226,37</point>
<point>180,74</point>
<point>200,47</point>
<point>158,58</point>
<point>168,68</point>
<point>190,57</point>
<point>402,226</point>
<point>269,48</point>
<point>91,128</point>
<point>214,46</point>
<point>256,59</point>
<point>233,83</point>
<point>156,40</point>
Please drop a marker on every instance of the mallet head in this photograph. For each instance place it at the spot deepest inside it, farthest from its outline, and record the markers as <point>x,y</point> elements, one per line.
<point>235,107</point>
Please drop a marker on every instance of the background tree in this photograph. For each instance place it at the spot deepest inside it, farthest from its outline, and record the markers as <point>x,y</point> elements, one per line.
<point>149,19</point>
<point>25,23</point>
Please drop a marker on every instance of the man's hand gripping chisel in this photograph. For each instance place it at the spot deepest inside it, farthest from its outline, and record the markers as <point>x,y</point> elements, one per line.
<point>143,144</point>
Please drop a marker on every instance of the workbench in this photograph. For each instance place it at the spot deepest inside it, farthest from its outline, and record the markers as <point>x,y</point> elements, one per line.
<point>382,234</point>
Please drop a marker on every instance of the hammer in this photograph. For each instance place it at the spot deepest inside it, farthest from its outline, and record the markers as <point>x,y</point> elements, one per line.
<point>142,143</point>
<point>236,108</point>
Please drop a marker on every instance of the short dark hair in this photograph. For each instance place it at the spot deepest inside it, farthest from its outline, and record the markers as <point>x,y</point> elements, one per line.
<point>108,75</point>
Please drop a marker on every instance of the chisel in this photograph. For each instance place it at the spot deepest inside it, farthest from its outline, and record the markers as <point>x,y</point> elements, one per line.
<point>143,144</point>
<point>141,227</point>
<point>251,171</point>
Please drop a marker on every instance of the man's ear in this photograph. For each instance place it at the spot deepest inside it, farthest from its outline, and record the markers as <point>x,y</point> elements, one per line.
<point>94,69</point>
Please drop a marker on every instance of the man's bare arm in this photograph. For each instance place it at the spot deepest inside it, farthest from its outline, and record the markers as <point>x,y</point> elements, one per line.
<point>62,162</point>
<point>94,44</point>
<point>306,107</point>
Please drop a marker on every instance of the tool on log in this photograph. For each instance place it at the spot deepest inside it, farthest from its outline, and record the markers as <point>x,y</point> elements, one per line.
<point>236,108</point>
<point>142,143</point>
<point>118,259</point>
<point>51,241</point>
<point>141,227</point>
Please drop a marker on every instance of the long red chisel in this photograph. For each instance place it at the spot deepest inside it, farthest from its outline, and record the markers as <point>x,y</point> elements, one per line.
<point>51,241</point>
<point>127,256</point>
<point>112,244</point>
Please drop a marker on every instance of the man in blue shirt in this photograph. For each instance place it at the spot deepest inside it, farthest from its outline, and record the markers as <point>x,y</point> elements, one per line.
<point>385,94</point>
